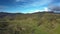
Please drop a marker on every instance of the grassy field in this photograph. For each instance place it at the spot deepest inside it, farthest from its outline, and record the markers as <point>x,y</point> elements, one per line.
<point>35,23</point>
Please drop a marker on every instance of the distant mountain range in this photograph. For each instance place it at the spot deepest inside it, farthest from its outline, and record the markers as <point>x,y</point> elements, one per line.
<point>3,14</point>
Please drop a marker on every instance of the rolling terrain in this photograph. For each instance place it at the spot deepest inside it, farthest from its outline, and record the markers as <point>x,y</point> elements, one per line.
<point>34,23</point>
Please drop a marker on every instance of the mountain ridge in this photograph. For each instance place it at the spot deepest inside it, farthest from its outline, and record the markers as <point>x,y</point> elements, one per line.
<point>33,23</point>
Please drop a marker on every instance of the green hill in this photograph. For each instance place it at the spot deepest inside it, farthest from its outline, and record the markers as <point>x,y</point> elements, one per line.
<point>35,23</point>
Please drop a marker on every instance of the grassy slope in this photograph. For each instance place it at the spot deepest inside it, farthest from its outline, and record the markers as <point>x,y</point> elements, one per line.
<point>37,23</point>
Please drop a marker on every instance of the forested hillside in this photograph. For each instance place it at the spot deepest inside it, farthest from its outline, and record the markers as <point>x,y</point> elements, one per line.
<point>35,23</point>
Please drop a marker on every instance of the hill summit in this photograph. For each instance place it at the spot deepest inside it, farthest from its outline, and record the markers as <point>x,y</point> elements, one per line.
<point>33,23</point>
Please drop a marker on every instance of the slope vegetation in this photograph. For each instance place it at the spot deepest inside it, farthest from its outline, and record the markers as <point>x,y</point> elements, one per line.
<point>35,23</point>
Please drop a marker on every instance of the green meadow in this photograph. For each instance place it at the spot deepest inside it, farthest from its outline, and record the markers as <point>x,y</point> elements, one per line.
<point>35,23</point>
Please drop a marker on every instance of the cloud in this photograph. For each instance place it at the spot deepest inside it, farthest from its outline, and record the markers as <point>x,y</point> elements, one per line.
<point>34,3</point>
<point>55,8</point>
<point>3,8</point>
<point>41,2</point>
<point>17,0</point>
<point>38,10</point>
<point>20,0</point>
<point>32,11</point>
<point>31,6</point>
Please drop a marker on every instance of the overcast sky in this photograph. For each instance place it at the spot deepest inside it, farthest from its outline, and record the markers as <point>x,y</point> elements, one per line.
<point>26,6</point>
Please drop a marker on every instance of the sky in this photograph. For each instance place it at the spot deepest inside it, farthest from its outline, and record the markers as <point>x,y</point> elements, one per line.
<point>26,6</point>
